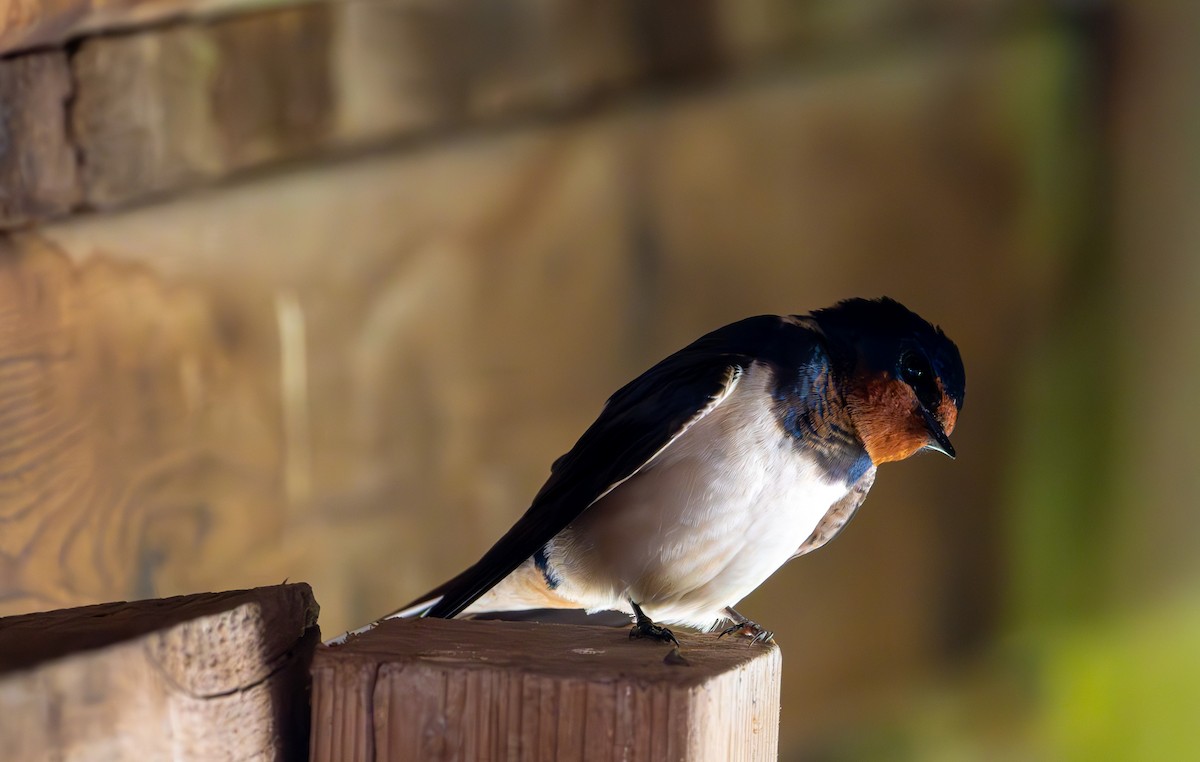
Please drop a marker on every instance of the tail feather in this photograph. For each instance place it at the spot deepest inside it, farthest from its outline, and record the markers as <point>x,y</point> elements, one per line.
<point>523,590</point>
<point>417,608</point>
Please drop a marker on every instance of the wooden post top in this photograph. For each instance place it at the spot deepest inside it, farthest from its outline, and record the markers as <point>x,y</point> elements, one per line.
<point>197,677</point>
<point>552,650</point>
<point>452,689</point>
<point>28,640</point>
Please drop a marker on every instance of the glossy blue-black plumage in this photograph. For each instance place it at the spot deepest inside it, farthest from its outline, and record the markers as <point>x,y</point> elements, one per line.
<point>812,412</point>
<point>874,332</point>
<point>809,364</point>
<point>638,420</point>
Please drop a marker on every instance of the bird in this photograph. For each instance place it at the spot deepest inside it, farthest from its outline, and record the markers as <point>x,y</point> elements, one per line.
<point>751,446</point>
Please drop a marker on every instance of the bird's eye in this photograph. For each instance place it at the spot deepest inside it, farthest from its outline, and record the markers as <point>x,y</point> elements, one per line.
<point>914,370</point>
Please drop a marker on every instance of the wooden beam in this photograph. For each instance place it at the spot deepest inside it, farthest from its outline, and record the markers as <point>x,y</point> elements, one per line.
<point>37,162</point>
<point>435,689</point>
<point>167,108</point>
<point>26,24</point>
<point>208,676</point>
<point>273,96</point>
<point>142,117</point>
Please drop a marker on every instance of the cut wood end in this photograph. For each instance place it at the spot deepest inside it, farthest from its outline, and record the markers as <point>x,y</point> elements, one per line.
<point>28,640</point>
<point>208,676</point>
<point>553,650</point>
<point>437,689</point>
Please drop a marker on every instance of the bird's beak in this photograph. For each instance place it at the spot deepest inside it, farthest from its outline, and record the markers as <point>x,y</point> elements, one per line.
<point>941,442</point>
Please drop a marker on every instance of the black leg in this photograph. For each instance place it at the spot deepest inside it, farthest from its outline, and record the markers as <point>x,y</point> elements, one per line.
<point>644,628</point>
<point>744,626</point>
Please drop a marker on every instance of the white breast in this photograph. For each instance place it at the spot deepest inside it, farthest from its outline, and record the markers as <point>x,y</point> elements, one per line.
<point>706,522</point>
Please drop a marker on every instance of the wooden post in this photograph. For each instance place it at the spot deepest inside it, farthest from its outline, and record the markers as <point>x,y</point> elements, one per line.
<point>433,689</point>
<point>198,677</point>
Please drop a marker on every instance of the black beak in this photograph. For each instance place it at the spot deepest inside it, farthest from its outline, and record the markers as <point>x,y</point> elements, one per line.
<point>941,442</point>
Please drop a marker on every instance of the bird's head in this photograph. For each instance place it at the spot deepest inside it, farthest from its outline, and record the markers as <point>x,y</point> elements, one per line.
<point>903,380</point>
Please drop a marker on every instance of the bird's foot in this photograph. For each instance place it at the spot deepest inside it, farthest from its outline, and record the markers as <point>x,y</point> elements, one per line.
<point>648,629</point>
<point>743,626</point>
<point>644,627</point>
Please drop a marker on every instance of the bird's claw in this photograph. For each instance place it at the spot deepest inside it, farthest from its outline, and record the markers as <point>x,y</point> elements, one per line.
<point>647,629</point>
<point>752,630</point>
<point>644,627</point>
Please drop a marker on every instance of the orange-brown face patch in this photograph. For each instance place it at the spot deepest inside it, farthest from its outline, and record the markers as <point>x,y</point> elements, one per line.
<point>947,413</point>
<point>886,413</point>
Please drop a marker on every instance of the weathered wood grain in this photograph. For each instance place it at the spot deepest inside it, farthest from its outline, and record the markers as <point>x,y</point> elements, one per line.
<point>167,108</point>
<point>439,690</point>
<point>27,24</point>
<point>272,96</point>
<point>263,418</point>
<point>95,497</point>
<point>161,108</point>
<point>534,56</point>
<point>399,69</point>
<point>143,116</point>
<point>37,160</point>
<point>672,35</point>
<point>201,677</point>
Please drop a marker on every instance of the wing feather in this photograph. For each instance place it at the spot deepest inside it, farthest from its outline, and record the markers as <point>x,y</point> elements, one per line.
<point>641,420</point>
<point>838,515</point>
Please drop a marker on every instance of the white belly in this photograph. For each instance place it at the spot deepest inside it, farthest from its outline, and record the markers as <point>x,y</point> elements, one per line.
<point>702,525</point>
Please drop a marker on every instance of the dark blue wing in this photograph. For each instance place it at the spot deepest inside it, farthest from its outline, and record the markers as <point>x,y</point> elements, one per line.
<point>639,420</point>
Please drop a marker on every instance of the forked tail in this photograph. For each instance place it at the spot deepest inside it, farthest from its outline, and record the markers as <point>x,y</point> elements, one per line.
<point>414,610</point>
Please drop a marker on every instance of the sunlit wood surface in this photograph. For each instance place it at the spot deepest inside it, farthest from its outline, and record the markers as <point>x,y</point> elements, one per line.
<point>207,676</point>
<point>438,689</point>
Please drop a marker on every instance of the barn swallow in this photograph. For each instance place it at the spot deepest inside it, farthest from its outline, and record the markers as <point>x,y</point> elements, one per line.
<point>751,446</point>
